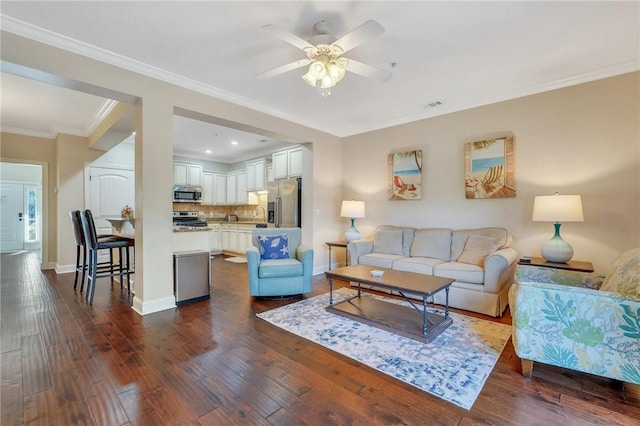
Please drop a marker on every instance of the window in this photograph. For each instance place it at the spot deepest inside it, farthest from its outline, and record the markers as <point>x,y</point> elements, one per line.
<point>31,219</point>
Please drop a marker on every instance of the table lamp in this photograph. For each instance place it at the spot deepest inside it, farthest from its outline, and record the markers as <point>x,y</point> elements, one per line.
<point>557,208</point>
<point>352,209</point>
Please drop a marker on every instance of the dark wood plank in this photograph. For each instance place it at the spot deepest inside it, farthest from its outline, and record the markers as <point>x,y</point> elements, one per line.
<point>214,362</point>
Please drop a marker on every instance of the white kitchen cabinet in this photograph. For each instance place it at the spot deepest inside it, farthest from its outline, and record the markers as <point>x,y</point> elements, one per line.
<point>220,192</point>
<point>241,188</point>
<point>215,239</point>
<point>232,195</point>
<point>244,238</point>
<point>256,175</point>
<point>287,163</point>
<point>195,174</point>
<point>187,174</point>
<point>280,163</point>
<point>208,188</point>
<point>295,162</point>
<point>229,238</point>
<point>180,173</point>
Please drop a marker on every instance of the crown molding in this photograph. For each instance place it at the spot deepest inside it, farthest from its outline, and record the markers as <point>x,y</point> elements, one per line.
<point>32,32</point>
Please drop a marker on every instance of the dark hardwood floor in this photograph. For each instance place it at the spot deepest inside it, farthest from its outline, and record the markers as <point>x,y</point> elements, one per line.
<point>215,363</point>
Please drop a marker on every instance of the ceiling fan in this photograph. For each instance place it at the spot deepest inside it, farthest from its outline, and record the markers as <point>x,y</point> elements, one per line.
<point>324,53</point>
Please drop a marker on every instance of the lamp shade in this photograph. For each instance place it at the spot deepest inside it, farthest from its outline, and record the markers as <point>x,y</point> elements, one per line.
<point>557,208</point>
<point>352,209</point>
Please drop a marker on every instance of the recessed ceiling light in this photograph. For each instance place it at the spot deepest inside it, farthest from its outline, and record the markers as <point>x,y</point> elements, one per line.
<point>234,142</point>
<point>208,151</point>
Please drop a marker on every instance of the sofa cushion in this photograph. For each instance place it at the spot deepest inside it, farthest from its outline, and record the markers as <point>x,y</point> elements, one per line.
<point>388,242</point>
<point>274,246</point>
<point>624,274</point>
<point>459,238</point>
<point>420,265</point>
<point>477,248</point>
<point>434,243</point>
<point>460,272</point>
<point>407,236</point>
<point>270,268</point>
<point>379,260</point>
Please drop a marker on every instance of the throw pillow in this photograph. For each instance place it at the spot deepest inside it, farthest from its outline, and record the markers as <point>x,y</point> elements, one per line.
<point>477,248</point>
<point>388,242</point>
<point>433,243</point>
<point>623,274</point>
<point>274,246</point>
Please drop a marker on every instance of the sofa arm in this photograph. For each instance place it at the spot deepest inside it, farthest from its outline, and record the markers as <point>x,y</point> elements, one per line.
<point>540,274</point>
<point>358,248</point>
<point>498,269</point>
<point>583,329</point>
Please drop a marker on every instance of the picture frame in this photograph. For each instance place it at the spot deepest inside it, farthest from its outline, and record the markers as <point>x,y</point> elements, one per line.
<point>405,175</point>
<point>490,168</point>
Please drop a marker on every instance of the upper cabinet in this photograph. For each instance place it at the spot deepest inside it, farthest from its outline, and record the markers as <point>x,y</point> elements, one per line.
<point>187,174</point>
<point>256,175</point>
<point>287,163</point>
<point>208,188</point>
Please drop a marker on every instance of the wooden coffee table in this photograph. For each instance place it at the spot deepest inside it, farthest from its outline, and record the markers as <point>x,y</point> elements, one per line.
<point>414,321</point>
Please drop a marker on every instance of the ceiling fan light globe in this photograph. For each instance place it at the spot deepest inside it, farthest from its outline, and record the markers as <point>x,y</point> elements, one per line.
<point>336,72</point>
<point>310,79</point>
<point>327,82</point>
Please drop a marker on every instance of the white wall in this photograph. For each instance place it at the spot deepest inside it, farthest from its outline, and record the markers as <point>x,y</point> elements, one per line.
<point>582,140</point>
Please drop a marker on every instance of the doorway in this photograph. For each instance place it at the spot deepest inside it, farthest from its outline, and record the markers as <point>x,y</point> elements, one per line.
<point>21,207</point>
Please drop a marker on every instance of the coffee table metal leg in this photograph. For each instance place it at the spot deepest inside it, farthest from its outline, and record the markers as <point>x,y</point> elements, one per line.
<point>424,316</point>
<point>446,303</point>
<point>330,291</point>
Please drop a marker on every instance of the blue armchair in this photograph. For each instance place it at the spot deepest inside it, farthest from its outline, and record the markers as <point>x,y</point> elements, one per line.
<point>279,277</point>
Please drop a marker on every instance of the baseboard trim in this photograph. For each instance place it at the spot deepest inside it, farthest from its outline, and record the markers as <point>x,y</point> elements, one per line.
<point>149,307</point>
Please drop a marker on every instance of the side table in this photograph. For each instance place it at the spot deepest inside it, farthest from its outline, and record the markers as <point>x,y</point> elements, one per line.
<point>342,244</point>
<point>572,265</point>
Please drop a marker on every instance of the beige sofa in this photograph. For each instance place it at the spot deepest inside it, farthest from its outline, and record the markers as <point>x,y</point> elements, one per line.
<point>481,261</point>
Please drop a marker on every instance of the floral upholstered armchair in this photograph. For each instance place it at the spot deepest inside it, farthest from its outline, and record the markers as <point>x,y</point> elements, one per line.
<point>582,321</point>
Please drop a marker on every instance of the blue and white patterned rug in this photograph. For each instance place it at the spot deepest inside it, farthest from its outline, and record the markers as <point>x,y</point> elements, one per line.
<point>454,366</point>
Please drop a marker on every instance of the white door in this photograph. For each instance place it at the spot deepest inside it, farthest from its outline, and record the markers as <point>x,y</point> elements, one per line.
<point>110,189</point>
<point>11,217</point>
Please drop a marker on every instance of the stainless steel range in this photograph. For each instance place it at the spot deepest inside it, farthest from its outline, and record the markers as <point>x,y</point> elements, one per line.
<point>187,220</point>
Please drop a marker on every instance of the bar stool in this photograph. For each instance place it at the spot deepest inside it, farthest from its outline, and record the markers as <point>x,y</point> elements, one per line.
<point>81,248</point>
<point>93,244</point>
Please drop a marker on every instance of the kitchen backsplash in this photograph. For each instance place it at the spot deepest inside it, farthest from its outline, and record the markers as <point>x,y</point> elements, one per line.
<point>218,212</point>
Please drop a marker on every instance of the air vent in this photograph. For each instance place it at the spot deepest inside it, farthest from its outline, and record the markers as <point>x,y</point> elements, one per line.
<point>434,104</point>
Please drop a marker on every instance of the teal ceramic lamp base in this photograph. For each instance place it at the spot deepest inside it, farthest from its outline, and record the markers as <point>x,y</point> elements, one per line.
<point>352,233</point>
<point>557,250</point>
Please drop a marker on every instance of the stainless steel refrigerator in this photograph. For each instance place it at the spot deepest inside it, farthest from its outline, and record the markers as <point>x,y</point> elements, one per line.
<point>285,203</point>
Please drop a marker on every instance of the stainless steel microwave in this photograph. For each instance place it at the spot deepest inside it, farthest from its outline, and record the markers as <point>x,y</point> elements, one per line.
<point>187,194</point>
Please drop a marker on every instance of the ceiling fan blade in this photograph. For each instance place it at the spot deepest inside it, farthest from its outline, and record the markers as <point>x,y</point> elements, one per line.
<point>290,38</point>
<point>284,68</point>
<point>369,71</point>
<point>359,35</point>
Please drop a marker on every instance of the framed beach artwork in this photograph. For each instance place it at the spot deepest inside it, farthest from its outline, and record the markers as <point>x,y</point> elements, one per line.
<point>489,168</point>
<point>405,170</point>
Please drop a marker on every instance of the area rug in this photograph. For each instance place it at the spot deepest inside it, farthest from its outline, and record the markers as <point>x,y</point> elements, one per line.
<point>237,259</point>
<point>454,366</point>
